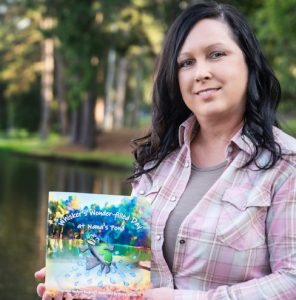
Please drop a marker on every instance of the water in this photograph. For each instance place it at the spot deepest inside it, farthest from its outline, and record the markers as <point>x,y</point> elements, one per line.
<point>24,186</point>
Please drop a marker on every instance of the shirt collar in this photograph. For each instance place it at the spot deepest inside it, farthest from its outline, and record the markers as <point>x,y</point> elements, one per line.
<point>186,130</point>
<point>242,142</point>
<point>190,126</point>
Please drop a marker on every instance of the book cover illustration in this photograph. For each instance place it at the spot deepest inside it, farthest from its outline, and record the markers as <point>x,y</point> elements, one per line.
<point>98,246</point>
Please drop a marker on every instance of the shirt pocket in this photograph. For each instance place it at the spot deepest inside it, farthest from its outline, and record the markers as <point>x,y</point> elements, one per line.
<point>241,223</point>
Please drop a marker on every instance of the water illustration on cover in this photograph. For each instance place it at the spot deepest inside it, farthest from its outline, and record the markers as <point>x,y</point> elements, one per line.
<point>98,246</point>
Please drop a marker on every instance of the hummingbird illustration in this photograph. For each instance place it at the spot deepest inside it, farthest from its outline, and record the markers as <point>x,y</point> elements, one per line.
<point>101,254</point>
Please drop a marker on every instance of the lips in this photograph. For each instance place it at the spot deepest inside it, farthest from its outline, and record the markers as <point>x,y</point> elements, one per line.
<point>207,90</point>
<point>207,93</point>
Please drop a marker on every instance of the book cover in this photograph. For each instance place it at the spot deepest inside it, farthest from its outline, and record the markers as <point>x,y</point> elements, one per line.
<point>98,246</point>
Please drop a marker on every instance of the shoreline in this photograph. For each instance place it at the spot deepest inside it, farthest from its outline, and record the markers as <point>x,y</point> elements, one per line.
<point>66,153</point>
<point>85,162</point>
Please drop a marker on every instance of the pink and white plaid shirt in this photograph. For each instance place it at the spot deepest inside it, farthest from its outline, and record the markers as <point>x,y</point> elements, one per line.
<point>239,242</point>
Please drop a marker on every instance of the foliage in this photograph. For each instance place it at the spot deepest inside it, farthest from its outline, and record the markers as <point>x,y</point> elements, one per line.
<point>19,48</point>
<point>275,21</point>
<point>85,31</point>
<point>76,28</point>
<point>289,126</point>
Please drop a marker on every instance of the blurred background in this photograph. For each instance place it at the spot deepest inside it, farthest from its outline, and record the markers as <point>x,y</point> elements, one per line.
<point>75,87</point>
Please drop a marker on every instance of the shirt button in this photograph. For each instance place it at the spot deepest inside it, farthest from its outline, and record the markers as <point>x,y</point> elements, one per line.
<point>186,165</point>
<point>141,192</point>
<point>158,237</point>
<point>230,149</point>
<point>182,241</point>
<point>173,198</point>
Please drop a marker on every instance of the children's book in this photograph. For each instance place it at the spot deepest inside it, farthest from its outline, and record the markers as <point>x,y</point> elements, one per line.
<point>98,246</point>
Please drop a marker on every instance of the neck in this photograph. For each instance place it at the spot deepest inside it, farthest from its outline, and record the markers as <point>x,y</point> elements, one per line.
<point>209,145</point>
<point>217,133</point>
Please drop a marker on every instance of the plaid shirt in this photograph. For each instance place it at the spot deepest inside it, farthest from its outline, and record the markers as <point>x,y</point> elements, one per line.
<point>239,242</point>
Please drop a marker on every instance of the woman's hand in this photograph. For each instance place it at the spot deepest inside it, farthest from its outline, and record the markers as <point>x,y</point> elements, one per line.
<point>40,276</point>
<point>159,294</point>
<point>152,294</point>
<point>41,290</point>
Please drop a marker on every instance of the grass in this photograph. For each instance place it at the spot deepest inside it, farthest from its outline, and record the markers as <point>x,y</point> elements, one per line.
<point>57,148</point>
<point>51,149</point>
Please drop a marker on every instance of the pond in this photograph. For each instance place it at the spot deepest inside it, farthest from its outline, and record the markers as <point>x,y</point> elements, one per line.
<point>24,187</point>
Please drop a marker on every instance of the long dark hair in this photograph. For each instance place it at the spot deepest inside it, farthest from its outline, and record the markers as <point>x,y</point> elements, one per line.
<point>169,109</point>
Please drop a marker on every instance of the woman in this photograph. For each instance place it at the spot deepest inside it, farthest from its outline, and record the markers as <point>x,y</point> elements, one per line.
<point>220,175</point>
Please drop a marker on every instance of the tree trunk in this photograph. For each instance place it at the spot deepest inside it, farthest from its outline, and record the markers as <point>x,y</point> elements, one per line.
<point>74,126</point>
<point>134,120</point>
<point>87,129</point>
<point>3,109</point>
<point>120,93</point>
<point>61,94</point>
<point>46,80</point>
<point>10,116</point>
<point>109,98</point>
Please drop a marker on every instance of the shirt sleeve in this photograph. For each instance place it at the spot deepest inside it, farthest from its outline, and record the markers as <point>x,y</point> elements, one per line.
<point>281,240</point>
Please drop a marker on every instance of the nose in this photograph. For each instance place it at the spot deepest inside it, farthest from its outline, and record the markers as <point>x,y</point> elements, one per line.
<point>202,71</point>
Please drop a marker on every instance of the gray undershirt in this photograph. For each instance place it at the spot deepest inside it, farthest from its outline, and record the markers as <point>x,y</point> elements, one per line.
<point>200,181</point>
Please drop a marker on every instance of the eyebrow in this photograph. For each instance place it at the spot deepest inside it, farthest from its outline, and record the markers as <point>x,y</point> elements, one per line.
<point>206,48</point>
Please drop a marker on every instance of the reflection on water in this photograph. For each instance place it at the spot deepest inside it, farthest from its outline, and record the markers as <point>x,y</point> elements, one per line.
<point>24,186</point>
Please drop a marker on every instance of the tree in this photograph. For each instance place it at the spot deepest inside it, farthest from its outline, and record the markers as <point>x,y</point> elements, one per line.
<point>275,21</point>
<point>133,29</point>
<point>61,93</point>
<point>20,41</point>
<point>47,75</point>
<point>76,28</point>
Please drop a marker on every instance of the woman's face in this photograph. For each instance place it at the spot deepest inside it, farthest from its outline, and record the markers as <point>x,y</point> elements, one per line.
<point>212,73</point>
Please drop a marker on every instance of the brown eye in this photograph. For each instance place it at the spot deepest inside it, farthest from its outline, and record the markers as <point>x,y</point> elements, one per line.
<point>186,63</point>
<point>216,54</point>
